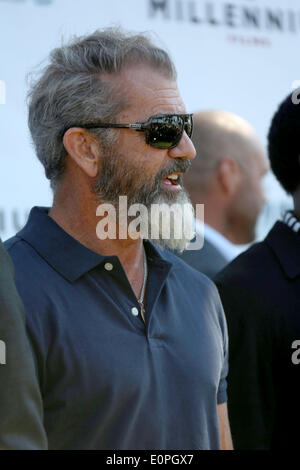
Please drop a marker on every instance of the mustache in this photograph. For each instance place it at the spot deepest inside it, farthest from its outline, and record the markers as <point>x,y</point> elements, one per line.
<point>180,165</point>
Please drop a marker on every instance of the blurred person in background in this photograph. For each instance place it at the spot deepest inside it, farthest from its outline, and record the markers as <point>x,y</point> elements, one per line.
<point>21,408</point>
<point>128,356</point>
<point>226,176</point>
<point>260,291</point>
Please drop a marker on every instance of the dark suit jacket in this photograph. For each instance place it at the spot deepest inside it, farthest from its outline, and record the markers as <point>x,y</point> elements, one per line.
<point>208,260</point>
<point>21,425</point>
<point>260,291</point>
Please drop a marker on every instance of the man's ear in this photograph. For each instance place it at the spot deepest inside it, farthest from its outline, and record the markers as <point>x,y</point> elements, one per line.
<point>84,149</point>
<point>229,176</point>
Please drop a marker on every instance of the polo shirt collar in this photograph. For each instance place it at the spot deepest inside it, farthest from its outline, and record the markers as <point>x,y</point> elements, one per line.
<point>285,243</point>
<point>63,252</point>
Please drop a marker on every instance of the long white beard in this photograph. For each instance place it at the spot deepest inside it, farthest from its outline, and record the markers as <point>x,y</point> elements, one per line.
<point>169,225</point>
<point>173,229</point>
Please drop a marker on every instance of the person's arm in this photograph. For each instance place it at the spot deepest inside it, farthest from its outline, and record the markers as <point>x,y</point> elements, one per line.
<point>223,421</point>
<point>251,400</point>
<point>224,427</point>
<point>21,409</point>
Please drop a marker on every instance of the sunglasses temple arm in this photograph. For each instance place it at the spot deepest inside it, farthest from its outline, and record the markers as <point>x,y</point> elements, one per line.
<point>137,126</point>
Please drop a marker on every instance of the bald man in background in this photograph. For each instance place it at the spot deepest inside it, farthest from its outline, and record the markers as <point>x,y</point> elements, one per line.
<point>226,176</point>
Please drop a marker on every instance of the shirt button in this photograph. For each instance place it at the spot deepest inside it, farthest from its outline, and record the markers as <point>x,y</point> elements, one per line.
<point>134,311</point>
<point>108,266</point>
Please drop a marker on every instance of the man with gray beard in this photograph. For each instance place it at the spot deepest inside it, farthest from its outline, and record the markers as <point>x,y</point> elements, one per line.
<point>128,356</point>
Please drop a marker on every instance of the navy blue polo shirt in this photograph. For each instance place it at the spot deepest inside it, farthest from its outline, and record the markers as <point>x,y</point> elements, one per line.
<point>109,381</point>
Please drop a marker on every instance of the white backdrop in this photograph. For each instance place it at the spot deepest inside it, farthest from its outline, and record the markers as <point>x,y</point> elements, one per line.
<point>238,55</point>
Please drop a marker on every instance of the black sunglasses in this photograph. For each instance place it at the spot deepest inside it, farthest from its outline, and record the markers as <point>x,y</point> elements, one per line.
<point>163,131</point>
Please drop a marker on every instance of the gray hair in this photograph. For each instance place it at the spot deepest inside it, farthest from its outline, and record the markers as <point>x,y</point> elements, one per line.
<point>70,90</point>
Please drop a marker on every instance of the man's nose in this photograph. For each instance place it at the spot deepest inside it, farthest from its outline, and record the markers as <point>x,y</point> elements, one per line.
<point>184,149</point>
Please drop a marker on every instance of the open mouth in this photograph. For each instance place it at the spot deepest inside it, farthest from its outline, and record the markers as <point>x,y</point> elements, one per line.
<point>172,181</point>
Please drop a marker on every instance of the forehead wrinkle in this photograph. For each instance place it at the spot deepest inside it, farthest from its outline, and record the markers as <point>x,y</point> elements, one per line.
<point>158,105</point>
<point>150,93</point>
<point>153,94</point>
<point>154,104</point>
<point>159,99</point>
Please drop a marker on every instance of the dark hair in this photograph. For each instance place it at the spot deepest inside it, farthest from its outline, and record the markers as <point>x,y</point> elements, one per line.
<point>284,143</point>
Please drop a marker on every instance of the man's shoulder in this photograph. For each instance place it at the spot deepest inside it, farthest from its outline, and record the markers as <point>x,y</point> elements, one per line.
<point>10,244</point>
<point>247,263</point>
<point>246,286</point>
<point>184,270</point>
<point>200,290</point>
<point>31,271</point>
<point>15,248</point>
<point>21,252</point>
<point>260,278</point>
<point>260,264</point>
<point>208,260</point>
<point>257,262</point>
<point>185,280</point>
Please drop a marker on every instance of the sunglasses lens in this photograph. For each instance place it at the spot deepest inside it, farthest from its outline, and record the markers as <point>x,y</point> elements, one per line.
<point>166,131</point>
<point>188,125</point>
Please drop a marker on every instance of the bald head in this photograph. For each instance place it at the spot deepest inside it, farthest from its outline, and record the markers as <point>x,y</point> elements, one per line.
<point>218,135</point>
<point>226,175</point>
